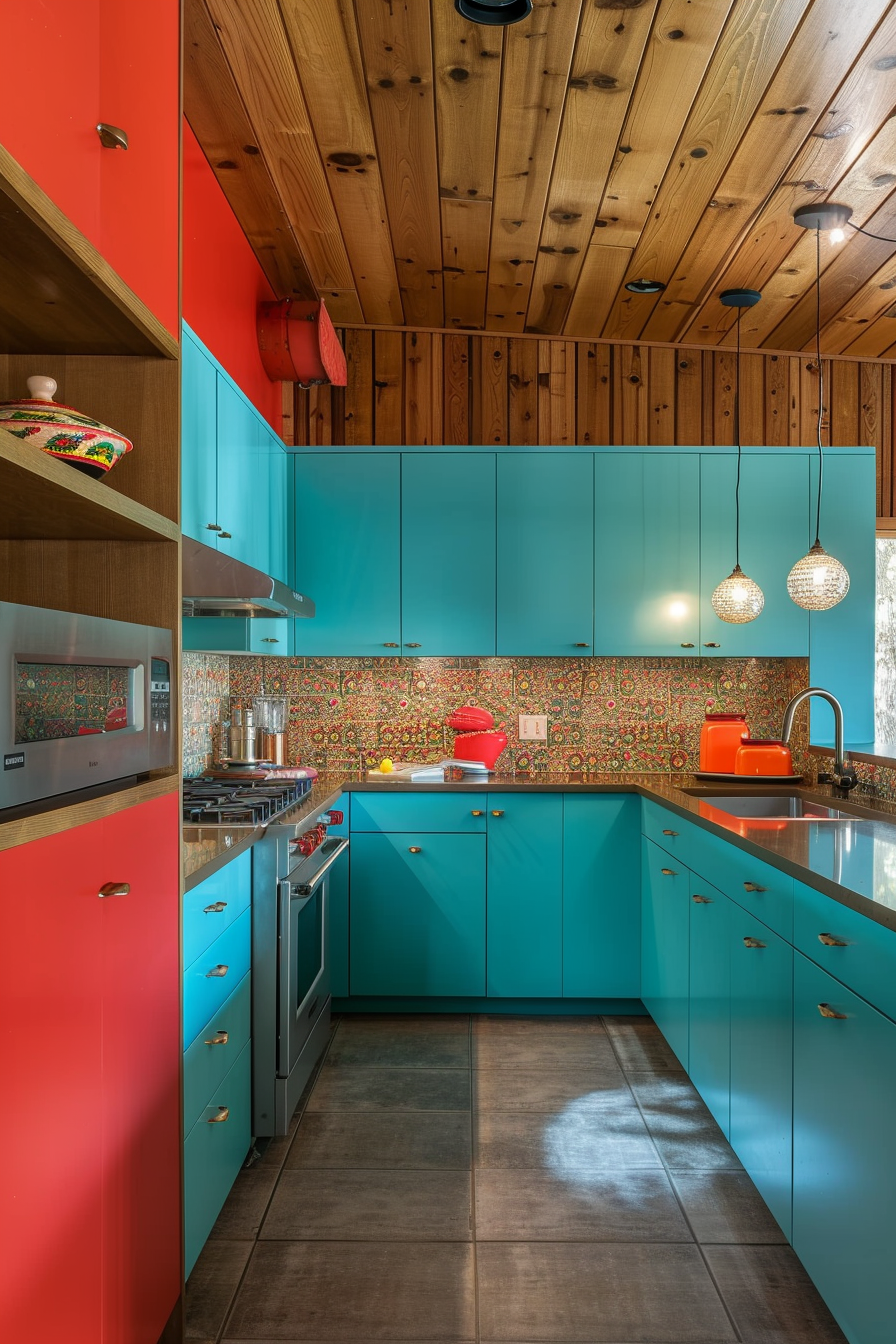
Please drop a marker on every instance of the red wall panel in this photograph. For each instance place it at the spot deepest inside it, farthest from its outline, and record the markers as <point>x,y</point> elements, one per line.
<point>223,282</point>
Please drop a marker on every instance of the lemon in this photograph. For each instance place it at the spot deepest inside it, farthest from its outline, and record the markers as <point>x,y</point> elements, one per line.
<point>386,766</point>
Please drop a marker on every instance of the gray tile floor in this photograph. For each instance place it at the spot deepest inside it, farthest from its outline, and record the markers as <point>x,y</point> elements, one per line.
<point>500,1180</point>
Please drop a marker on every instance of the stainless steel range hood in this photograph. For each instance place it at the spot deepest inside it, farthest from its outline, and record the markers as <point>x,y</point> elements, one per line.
<point>215,584</point>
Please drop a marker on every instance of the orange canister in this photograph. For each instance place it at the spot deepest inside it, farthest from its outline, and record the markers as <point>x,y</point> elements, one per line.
<point>763,756</point>
<point>720,737</point>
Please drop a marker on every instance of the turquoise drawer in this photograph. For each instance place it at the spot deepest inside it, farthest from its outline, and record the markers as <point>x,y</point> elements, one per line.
<point>678,837</point>
<point>209,1058</point>
<point>230,887</point>
<point>214,1151</point>
<point>204,991</point>
<point>419,811</point>
<point>756,886</point>
<point>863,953</point>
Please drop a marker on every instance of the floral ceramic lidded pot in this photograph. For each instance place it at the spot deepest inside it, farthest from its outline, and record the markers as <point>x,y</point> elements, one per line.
<point>61,431</point>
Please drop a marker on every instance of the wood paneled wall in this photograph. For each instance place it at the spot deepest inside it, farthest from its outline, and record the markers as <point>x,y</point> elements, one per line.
<point>408,388</point>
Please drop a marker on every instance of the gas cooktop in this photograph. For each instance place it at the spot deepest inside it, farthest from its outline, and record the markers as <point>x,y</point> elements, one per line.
<point>247,802</point>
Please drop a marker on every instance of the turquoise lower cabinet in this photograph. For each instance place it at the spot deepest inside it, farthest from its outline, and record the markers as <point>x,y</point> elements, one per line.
<point>844,1177</point>
<point>665,915</point>
<point>417,914</point>
<point>216,1049</point>
<point>212,906</point>
<point>601,911</point>
<point>709,1027</point>
<point>347,552</point>
<point>239,634</point>
<point>214,1150</point>
<point>647,553</point>
<point>545,547</point>
<point>339,907</point>
<point>762,1059</point>
<point>525,846</point>
<point>448,554</point>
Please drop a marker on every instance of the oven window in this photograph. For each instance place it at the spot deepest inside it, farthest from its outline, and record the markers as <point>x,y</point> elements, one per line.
<point>55,700</point>
<point>309,946</point>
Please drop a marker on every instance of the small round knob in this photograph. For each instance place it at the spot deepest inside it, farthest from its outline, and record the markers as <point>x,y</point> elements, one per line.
<point>414,849</point>
<point>497,813</point>
<point>41,388</point>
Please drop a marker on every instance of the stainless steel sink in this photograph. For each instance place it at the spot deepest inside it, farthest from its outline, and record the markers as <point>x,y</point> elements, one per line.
<point>785,806</point>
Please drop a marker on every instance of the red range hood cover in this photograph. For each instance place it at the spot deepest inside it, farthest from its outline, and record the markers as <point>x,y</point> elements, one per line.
<point>298,343</point>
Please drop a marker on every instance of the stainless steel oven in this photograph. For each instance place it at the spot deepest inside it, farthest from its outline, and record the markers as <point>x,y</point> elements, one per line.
<point>83,701</point>
<point>290,969</point>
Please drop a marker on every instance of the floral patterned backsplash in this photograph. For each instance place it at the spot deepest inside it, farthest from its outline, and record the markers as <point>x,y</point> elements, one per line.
<point>604,714</point>
<point>206,701</point>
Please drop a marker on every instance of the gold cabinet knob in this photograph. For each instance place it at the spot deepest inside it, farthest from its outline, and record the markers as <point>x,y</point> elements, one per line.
<point>712,645</point>
<point>827,1011</point>
<point>830,941</point>
<point>497,813</point>
<point>687,646</point>
<point>668,872</point>
<point>217,972</point>
<point>409,644</point>
<point>702,900</point>
<point>114,889</point>
<point>753,942</point>
<point>477,812</point>
<point>214,909</point>
<point>223,1114</point>
<point>391,644</point>
<point>754,886</point>
<point>219,1038</point>
<point>670,832</point>
<point>414,849</point>
<point>581,646</point>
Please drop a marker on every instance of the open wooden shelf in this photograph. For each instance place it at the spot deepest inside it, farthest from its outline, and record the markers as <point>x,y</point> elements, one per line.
<point>58,295</point>
<point>63,818</point>
<point>45,499</point>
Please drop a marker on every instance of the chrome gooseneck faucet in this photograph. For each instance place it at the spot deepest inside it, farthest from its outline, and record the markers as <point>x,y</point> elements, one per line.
<point>844,777</point>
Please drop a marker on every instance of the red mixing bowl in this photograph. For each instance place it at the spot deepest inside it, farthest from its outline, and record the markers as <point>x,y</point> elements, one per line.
<point>484,747</point>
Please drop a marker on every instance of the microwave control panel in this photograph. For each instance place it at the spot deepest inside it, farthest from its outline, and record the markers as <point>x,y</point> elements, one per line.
<point>160,712</point>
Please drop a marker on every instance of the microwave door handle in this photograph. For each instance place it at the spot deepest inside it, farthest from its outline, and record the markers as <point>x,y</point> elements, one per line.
<point>300,889</point>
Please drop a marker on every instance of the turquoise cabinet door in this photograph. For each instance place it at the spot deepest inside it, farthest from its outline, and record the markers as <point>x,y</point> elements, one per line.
<point>448,554</point>
<point>338,896</point>
<point>525,839</point>
<point>238,634</point>
<point>774,518</point>
<point>239,473</point>
<point>347,552</point>
<point>545,553</point>
<point>841,641</point>
<point>709,1039</point>
<point>762,1059</point>
<point>646,553</point>
<point>601,904</point>
<point>276,493</point>
<point>199,451</point>
<point>665,914</point>
<point>844,1179</point>
<point>417,914</point>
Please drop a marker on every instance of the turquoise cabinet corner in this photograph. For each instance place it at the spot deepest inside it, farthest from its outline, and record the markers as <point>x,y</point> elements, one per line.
<point>545,554</point>
<point>347,513</point>
<point>774,519</point>
<point>844,1180</point>
<point>647,553</point>
<point>762,1059</point>
<point>709,994</point>
<point>525,949</point>
<point>448,554</point>
<point>601,912</point>
<point>665,952</point>
<point>417,914</point>
<point>199,438</point>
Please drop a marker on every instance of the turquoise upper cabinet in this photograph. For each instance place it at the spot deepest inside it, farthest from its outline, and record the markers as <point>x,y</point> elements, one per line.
<point>448,554</point>
<point>242,488</point>
<point>841,641</point>
<point>199,430</point>
<point>545,553</point>
<point>347,552</point>
<point>774,519</point>
<point>709,1040</point>
<point>665,916</point>
<point>601,913</point>
<point>646,553</point>
<point>525,838</point>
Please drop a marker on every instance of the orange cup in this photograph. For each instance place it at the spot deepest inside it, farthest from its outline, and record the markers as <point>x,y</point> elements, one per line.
<point>720,738</point>
<point>763,756</point>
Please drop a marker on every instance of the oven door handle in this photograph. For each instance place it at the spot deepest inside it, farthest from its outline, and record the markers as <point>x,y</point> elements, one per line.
<point>327,855</point>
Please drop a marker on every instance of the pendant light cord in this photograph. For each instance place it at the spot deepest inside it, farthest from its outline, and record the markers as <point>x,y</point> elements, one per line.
<point>820,380</point>
<point>737,439</point>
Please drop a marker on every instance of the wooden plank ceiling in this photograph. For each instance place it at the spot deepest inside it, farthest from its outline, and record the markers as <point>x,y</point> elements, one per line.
<point>417,169</point>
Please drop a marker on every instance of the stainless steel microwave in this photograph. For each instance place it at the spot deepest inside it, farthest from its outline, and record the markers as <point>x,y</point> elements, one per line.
<point>83,701</point>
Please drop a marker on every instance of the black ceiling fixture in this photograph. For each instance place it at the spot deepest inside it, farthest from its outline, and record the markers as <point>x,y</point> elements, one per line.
<point>645,286</point>
<point>494,13</point>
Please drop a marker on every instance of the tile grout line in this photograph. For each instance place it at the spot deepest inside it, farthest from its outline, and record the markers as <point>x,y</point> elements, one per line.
<point>674,1189</point>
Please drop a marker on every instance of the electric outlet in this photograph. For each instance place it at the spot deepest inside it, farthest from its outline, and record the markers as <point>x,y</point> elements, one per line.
<point>533,727</point>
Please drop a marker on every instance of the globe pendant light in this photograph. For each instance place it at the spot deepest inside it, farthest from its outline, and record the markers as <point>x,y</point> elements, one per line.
<point>738,598</point>
<point>494,13</point>
<point>819,581</point>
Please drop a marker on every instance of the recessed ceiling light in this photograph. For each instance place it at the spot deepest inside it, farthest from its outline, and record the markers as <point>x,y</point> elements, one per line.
<point>739,298</point>
<point>494,13</point>
<point>823,215</point>
<point>645,286</point>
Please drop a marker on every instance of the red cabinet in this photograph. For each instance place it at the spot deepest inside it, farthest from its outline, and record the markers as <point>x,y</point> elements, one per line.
<point>71,64</point>
<point>89,1056</point>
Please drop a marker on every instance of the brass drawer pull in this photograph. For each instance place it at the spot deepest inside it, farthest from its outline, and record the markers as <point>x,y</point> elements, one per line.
<point>217,971</point>
<point>114,889</point>
<point>581,646</point>
<point>827,1011</point>
<point>214,909</point>
<point>830,941</point>
<point>409,644</point>
<point>497,814</point>
<point>753,942</point>
<point>687,646</point>
<point>754,886</point>
<point>712,645</point>
<point>670,832</point>
<point>414,849</point>
<point>228,535</point>
<point>223,1114</point>
<point>668,872</point>
<point>391,644</point>
<point>703,900</point>
<point>269,639</point>
<point>477,812</point>
<point>219,1038</point>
